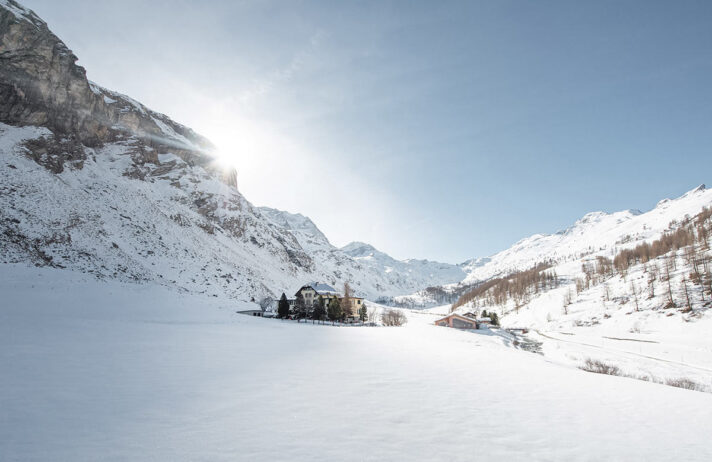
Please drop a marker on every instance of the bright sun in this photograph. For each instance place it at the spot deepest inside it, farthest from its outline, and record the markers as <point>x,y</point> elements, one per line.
<point>238,144</point>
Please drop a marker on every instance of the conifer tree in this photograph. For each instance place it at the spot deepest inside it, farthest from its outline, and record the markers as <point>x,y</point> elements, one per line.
<point>319,312</point>
<point>283,307</point>
<point>363,312</point>
<point>300,307</point>
<point>334,311</point>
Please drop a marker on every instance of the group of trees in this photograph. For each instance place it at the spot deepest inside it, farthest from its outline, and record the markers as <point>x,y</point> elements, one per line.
<point>335,310</point>
<point>688,241</point>
<point>643,253</point>
<point>518,286</point>
<point>659,258</point>
<point>494,318</point>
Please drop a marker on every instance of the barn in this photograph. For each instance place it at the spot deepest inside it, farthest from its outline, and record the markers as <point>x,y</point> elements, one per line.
<point>458,322</point>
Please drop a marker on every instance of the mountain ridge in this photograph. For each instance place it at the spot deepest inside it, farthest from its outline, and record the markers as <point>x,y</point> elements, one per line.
<point>97,182</point>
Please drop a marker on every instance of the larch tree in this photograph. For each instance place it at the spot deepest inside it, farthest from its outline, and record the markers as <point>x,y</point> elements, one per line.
<point>634,289</point>
<point>668,264</point>
<point>346,308</point>
<point>687,295</point>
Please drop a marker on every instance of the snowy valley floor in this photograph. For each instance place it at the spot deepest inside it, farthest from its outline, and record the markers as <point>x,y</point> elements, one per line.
<point>105,371</point>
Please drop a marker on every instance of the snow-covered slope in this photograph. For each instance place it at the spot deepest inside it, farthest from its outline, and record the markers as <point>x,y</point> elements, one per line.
<point>426,272</point>
<point>97,370</point>
<point>309,236</point>
<point>378,272</point>
<point>597,232</point>
<point>95,181</point>
<point>650,317</point>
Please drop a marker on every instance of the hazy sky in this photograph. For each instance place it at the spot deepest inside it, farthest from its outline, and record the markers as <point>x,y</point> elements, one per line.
<point>441,130</point>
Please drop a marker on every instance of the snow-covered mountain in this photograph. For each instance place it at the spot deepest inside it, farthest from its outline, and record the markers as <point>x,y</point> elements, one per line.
<point>309,236</point>
<point>631,289</point>
<point>387,276</point>
<point>94,181</point>
<point>596,233</point>
<point>427,272</point>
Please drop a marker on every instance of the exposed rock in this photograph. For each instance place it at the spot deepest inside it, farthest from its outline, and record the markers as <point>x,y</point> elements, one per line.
<point>53,153</point>
<point>123,192</point>
<point>41,85</point>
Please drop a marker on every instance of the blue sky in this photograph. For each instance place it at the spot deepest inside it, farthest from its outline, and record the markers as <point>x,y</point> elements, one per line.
<point>440,130</point>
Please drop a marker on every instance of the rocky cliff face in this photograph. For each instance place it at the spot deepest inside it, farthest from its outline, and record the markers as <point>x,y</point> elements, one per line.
<point>94,181</point>
<point>41,85</point>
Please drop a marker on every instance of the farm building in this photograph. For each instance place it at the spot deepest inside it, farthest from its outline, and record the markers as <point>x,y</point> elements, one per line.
<point>462,322</point>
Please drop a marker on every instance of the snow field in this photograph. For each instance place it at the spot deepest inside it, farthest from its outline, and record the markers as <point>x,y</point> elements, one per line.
<point>112,371</point>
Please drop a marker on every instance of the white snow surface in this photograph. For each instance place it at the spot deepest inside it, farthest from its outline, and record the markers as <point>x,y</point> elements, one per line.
<point>598,233</point>
<point>104,370</point>
<point>390,276</point>
<point>595,234</point>
<point>603,322</point>
<point>179,225</point>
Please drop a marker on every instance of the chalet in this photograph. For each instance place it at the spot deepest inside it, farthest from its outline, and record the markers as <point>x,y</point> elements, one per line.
<point>312,291</point>
<point>462,322</point>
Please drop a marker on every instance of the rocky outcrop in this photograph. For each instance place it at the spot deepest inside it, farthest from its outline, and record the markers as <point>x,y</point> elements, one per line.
<point>41,85</point>
<point>94,181</point>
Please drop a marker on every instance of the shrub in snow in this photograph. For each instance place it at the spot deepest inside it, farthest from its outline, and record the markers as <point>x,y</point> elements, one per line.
<point>684,383</point>
<point>393,318</point>
<point>599,367</point>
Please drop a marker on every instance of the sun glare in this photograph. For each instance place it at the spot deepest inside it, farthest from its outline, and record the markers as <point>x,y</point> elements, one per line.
<point>238,145</point>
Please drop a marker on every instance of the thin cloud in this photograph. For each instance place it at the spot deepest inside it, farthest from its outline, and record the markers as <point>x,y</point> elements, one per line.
<point>283,75</point>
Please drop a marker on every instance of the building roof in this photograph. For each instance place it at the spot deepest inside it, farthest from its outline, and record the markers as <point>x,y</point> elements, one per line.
<point>325,289</point>
<point>320,288</point>
<point>455,315</point>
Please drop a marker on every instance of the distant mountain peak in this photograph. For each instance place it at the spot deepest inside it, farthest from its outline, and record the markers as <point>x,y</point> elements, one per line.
<point>359,249</point>
<point>303,227</point>
<point>599,232</point>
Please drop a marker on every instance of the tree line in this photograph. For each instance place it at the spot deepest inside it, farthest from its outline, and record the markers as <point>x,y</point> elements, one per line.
<point>691,236</point>
<point>518,286</point>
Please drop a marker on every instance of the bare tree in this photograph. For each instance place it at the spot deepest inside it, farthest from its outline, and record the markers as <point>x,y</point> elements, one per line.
<point>634,289</point>
<point>346,301</point>
<point>652,276</point>
<point>668,265</point>
<point>568,299</point>
<point>708,282</point>
<point>372,314</point>
<point>687,295</point>
<point>393,317</point>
